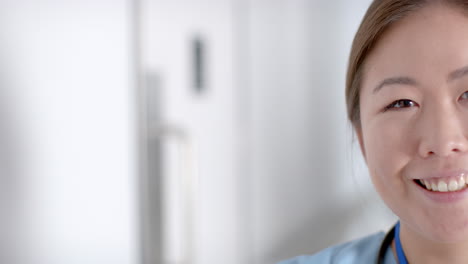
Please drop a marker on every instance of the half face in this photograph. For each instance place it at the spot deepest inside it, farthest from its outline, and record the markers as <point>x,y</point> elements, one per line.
<point>414,121</point>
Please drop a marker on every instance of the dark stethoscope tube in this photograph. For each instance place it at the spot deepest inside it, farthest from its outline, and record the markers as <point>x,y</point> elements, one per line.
<point>386,243</point>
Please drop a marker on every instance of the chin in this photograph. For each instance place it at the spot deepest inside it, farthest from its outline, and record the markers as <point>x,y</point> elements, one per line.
<point>444,230</point>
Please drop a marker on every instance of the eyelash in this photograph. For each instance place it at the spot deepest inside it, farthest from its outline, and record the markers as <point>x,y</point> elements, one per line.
<point>406,103</point>
<point>394,104</point>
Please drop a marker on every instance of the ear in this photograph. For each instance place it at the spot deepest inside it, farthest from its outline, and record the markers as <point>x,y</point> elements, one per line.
<point>358,131</point>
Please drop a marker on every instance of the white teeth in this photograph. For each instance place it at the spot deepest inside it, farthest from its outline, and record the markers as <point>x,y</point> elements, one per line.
<point>461,182</point>
<point>428,185</point>
<point>442,186</point>
<point>453,186</point>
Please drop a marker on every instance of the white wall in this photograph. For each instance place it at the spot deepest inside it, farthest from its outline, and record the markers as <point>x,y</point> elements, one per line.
<point>68,65</point>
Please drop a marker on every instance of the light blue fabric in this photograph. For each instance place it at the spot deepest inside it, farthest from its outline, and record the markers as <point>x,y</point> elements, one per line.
<point>361,251</point>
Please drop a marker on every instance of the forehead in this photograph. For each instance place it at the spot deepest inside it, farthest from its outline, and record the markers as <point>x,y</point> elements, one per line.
<point>426,45</point>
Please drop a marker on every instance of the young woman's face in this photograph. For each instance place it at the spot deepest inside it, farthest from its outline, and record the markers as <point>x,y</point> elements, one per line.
<point>414,121</point>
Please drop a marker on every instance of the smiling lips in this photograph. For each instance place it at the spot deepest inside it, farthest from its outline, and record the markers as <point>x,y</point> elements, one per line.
<point>451,184</point>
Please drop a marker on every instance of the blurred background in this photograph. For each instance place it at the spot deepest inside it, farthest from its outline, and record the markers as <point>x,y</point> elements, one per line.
<point>178,132</point>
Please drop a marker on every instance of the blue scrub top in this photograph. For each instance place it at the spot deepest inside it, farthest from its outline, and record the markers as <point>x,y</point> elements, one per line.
<point>364,250</point>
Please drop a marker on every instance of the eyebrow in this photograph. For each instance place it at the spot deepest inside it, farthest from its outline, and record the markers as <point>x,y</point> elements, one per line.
<point>457,74</point>
<point>396,80</point>
<point>404,80</point>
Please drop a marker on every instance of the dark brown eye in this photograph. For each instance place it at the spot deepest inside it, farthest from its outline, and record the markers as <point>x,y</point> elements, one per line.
<point>402,103</point>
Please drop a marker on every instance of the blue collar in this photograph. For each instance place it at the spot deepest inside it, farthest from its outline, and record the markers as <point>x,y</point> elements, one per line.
<point>399,249</point>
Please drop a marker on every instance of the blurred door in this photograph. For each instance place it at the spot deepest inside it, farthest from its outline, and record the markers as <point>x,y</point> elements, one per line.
<point>187,68</point>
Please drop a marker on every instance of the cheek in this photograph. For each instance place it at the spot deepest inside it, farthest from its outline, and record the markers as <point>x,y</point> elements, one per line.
<point>386,149</point>
<point>386,160</point>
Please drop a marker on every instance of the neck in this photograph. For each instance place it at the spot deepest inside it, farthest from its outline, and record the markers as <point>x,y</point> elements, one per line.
<point>419,249</point>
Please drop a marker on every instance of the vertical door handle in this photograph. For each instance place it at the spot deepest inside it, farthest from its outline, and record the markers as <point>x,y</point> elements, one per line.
<point>169,203</point>
<point>179,198</point>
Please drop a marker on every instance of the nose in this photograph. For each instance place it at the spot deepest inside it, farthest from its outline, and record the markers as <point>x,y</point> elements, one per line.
<point>443,133</point>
